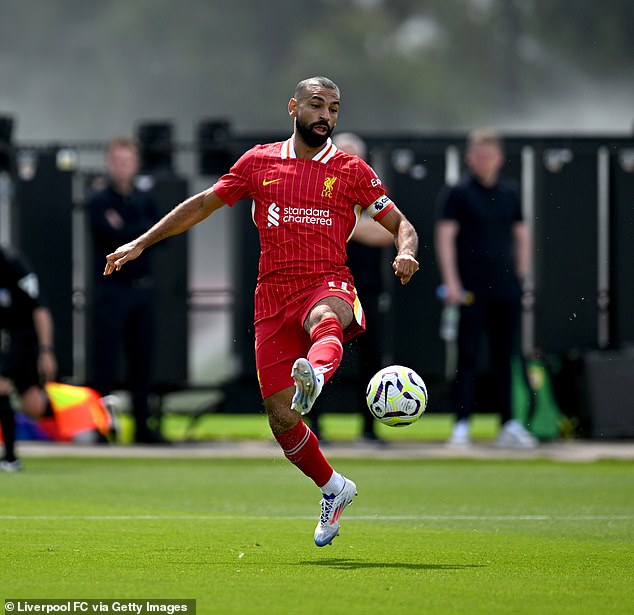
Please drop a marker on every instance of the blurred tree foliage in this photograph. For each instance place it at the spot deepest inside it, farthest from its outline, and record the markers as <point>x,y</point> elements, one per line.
<point>76,69</point>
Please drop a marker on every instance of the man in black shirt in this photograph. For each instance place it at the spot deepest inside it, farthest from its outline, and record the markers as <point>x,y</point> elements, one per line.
<point>483,248</point>
<point>27,356</point>
<point>124,305</point>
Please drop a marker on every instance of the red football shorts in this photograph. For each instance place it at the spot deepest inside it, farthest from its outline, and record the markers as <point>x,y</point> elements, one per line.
<point>280,338</point>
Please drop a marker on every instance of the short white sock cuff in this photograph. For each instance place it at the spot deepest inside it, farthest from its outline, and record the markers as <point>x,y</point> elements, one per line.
<point>334,485</point>
<point>320,381</point>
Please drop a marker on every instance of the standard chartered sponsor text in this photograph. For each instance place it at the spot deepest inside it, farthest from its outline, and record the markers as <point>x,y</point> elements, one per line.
<point>307,215</point>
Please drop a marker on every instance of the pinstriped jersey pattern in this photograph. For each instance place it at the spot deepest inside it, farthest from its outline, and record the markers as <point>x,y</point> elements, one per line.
<point>305,211</point>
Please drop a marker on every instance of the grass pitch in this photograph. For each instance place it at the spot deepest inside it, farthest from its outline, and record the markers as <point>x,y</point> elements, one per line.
<point>422,536</point>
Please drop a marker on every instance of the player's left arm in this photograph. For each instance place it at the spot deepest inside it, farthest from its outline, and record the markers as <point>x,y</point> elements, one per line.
<point>369,233</point>
<point>386,213</point>
<point>405,264</point>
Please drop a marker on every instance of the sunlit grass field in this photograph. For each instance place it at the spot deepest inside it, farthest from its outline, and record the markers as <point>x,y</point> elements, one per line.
<point>456,536</point>
<point>334,426</point>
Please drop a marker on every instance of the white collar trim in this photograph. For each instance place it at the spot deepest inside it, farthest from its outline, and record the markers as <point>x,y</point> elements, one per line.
<point>323,155</point>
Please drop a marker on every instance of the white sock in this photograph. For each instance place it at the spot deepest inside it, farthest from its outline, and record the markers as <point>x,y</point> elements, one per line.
<point>320,381</point>
<point>334,485</point>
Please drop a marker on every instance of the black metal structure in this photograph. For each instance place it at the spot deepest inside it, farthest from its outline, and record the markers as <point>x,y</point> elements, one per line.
<point>579,202</point>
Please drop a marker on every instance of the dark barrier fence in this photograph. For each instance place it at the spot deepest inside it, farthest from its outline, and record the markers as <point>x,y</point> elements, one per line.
<point>578,198</point>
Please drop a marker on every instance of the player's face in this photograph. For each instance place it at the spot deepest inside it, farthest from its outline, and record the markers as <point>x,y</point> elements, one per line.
<point>316,115</point>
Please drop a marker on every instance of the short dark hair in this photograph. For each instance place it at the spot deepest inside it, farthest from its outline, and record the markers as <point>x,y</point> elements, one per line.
<point>324,82</point>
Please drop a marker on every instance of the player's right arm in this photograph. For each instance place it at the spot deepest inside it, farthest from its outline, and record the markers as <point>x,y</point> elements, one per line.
<point>185,215</point>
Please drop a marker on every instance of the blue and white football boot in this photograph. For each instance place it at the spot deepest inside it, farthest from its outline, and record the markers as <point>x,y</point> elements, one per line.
<point>308,386</point>
<point>331,508</point>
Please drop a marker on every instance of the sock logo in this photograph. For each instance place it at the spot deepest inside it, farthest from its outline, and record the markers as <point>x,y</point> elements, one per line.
<point>273,216</point>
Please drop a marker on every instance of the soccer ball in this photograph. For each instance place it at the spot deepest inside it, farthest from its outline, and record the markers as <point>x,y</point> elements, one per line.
<point>396,396</point>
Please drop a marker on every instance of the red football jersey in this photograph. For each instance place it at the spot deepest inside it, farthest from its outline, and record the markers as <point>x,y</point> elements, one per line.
<point>305,210</point>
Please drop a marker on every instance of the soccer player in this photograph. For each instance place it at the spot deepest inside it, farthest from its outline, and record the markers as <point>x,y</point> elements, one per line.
<point>307,195</point>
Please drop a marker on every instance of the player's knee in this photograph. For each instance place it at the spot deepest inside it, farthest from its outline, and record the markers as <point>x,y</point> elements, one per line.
<point>330,308</point>
<point>320,312</point>
<point>278,409</point>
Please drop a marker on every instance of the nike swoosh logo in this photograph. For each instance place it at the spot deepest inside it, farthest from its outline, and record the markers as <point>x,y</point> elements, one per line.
<point>266,182</point>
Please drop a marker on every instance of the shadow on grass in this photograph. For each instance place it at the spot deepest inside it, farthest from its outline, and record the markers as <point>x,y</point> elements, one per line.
<point>350,564</point>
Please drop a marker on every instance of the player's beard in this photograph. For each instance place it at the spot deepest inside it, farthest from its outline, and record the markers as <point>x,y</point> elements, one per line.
<point>312,139</point>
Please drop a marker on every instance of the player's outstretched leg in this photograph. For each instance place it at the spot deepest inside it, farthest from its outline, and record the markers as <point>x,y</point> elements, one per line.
<point>332,506</point>
<point>308,386</point>
<point>301,448</point>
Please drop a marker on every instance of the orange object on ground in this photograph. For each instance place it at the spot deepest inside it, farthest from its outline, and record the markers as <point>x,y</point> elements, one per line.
<point>76,410</point>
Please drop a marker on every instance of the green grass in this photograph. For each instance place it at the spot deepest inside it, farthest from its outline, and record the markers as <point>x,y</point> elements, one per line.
<point>476,537</point>
<point>335,426</point>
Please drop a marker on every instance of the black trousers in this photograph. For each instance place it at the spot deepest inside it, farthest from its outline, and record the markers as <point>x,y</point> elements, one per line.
<point>124,324</point>
<point>7,423</point>
<point>498,320</point>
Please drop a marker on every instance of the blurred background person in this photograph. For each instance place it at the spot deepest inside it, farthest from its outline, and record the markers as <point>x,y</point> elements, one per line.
<point>366,261</point>
<point>124,305</point>
<point>27,357</point>
<point>483,248</point>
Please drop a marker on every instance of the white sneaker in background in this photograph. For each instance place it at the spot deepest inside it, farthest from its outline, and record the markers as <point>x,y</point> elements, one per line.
<point>15,465</point>
<point>460,436</point>
<point>514,435</point>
